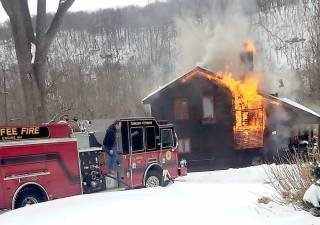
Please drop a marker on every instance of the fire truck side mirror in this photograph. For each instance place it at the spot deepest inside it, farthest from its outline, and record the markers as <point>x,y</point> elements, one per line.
<point>176,145</point>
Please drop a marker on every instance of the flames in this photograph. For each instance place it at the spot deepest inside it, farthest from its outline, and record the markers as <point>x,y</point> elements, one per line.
<point>250,47</point>
<point>248,108</point>
<point>249,113</point>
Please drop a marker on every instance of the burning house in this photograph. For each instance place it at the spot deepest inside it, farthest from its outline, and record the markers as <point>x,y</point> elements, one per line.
<point>222,122</point>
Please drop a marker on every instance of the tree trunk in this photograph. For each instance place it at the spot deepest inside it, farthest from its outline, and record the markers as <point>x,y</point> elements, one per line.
<point>33,70</point>
<point>28,92</point>
<point>40,73</point>
<point>22,48</point>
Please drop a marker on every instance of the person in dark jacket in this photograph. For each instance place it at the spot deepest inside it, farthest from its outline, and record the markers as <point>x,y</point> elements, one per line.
<point>110,145</point>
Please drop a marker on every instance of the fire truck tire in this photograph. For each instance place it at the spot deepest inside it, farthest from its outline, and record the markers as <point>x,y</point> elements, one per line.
<point>165,183</point>
<point>29,196</point>
<point>153,179</point>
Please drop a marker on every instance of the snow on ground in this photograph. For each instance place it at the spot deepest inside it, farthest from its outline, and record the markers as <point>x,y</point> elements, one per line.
<point>218,197</point>
<point>312,195</point>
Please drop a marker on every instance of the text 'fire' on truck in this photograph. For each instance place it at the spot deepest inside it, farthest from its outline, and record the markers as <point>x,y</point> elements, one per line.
<point>46,162</point>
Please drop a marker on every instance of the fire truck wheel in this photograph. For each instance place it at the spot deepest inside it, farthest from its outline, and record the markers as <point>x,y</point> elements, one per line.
<point>28,196</point>
<point>153,179</point>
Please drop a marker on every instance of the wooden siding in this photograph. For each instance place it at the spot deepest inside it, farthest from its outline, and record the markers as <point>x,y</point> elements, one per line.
<point>211,143</point>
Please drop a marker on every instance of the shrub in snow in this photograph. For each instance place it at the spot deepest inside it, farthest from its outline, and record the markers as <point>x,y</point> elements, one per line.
<point>264,200</point>
<point>316,172</point>
<point>291,177</point>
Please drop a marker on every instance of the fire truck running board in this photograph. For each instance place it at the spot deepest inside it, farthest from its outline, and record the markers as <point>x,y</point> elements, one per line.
<point>112,182</point>
<point>116,189</point>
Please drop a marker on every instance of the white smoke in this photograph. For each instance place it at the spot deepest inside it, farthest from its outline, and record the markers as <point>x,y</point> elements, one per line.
<point>279,131</point>
<point>215,40</point>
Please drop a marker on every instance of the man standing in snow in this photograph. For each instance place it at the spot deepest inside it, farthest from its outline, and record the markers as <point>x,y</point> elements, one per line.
<point>110,145</point>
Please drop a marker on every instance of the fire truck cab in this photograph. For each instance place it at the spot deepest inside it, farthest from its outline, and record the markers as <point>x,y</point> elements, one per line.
<point>40,163</point>
<point>148,156</point>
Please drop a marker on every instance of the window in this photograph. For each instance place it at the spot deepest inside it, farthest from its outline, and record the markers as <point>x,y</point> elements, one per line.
<point>181,109</point>
<point>184,145</point>
<point>166,138</point>
<point>208,113</point>
<point>151,138</point>
<point>137,139</point>
<point>119,142</point>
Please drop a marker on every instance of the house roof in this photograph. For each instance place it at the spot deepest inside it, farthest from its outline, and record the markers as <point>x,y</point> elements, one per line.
<point>297,107</point>
<point>198,70</point>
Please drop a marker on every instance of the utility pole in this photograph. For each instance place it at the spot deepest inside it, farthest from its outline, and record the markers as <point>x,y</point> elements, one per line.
<point>5,93</point>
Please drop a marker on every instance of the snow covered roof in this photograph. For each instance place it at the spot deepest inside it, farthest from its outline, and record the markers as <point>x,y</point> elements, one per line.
<point>302,107</point>
<point>292,104</point>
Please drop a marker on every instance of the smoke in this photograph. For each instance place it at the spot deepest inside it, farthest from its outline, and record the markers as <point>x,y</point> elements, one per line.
<point>276,74</point>
<point>214,39</point>
<point>279,132</point>
<point>217,38</point>
<point>284,83</point>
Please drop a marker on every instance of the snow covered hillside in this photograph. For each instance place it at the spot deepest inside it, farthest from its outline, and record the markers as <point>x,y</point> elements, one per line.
<point>218,197</point>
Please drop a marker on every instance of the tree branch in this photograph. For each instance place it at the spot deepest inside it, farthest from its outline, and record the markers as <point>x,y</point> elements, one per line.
<point>41,21</point>
<point>27,20</point>
<point>64,5</point>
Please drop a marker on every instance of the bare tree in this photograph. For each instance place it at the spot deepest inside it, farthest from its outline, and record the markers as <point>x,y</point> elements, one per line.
<point>32,46</point>
<point>291,30</point>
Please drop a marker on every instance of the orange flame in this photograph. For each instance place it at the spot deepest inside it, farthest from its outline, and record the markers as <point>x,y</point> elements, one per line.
<point>250,47</point>
<point>248,108</point>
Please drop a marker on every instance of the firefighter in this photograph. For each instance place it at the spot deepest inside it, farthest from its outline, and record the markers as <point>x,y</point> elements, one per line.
<point>64,119</point>
<point>110,145</point>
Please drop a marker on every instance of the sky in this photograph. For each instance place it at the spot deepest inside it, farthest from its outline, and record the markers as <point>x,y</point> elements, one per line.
<point>81,5</point>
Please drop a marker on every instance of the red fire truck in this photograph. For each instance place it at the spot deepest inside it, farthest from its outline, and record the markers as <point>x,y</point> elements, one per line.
<point>41,163</point>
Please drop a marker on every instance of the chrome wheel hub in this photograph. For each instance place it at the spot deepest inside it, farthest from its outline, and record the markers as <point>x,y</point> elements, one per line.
<point>153,181</point>
<point>29,201</point>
